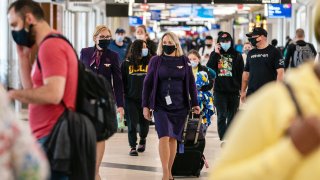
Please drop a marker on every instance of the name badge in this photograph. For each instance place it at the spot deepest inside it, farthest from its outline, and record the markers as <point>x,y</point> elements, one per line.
<point>168,100</point>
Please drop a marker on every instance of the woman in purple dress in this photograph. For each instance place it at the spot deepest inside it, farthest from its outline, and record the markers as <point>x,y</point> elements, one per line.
<point>167,90</point>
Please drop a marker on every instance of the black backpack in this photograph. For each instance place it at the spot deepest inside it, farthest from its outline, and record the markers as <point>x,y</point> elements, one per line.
<point>94,99</point>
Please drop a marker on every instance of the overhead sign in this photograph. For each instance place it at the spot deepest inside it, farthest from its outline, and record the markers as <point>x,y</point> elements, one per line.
<point>279,11</point>
<point>135,21</point>
<point>176,1</point>
<point>156,15</point>
<point>252,1</point>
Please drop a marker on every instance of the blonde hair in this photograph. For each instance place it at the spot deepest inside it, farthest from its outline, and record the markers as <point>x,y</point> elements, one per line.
<point>317,23</point>
<point>99,29</point>
<point>174,38</point>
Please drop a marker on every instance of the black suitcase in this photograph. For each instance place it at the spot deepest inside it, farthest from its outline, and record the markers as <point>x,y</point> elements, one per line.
<point>191,161</point>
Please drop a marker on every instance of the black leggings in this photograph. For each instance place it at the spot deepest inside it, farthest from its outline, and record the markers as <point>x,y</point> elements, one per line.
<point>227,106</point>
<point>134,114</point>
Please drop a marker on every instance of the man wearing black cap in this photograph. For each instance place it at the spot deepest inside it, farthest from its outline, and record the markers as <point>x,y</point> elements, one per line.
<point>264,63</point>
<point>228,64</point>
<point>119,45</point>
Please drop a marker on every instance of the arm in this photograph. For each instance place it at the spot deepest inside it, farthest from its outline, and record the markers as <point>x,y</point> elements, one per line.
<point>192,88</point>
<point>240,68</point>
<point>213,61</point>
<point>244,84</point>
<point>280,74</point>
<point>210,79</point>
<point>147,83</point>
<point>117,80</point>
<point>280,65</point>
<point>124,73</point>
<point>54,68</point>
<point>313,49</point>
<point>50,93</point>
<point>289,54</point>
<point>25,66</point>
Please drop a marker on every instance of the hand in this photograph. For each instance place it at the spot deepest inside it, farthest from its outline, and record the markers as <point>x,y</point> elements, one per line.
<point>146,113</point>
<point>243,97</point>
<point>217,48</point>
<point>305,134</point>
<point>207,56</point>
<point>24,52</point>
<point>120,110</point>
<point>196,109</point>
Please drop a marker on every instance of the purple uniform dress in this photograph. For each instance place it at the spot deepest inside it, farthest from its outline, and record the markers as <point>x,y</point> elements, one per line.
<point>170,119</point>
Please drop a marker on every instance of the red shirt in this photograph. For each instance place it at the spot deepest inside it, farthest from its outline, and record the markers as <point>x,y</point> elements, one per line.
<point>57,58</point>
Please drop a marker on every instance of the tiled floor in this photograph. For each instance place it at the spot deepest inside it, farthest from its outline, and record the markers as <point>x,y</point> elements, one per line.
<point>118,165</point>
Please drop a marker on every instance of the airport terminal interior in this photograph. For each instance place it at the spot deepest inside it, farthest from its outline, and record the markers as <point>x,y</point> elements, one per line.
<point>192,21</point>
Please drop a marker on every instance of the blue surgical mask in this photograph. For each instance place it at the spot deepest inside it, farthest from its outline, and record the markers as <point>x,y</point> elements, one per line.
<point>225,46</point>
<point>194,64</point>
<point>119,38</point>
<point>145,52</point>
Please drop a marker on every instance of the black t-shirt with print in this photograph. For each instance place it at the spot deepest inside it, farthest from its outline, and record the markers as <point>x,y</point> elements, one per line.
<point>262,65</point>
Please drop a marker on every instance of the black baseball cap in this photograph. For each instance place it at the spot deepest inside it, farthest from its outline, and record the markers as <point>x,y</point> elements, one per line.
<point>120,30</point>
<point>258,31</point>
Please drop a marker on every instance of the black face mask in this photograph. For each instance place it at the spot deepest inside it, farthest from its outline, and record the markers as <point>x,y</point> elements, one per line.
<point>24,38</point>
<point>168,49</point>
<point>209,45</point>
<point>103,44</point>
<point>253,41</point>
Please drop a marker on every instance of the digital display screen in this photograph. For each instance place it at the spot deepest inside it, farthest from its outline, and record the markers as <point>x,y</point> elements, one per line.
<point>279,10</point>
<point>135,21</point>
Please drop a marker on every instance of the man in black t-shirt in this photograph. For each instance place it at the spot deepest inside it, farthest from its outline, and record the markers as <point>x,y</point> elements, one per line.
<point>264,64</point>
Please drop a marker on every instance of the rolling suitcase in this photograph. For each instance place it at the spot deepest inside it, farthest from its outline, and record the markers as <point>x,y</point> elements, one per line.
<point>189,159</point>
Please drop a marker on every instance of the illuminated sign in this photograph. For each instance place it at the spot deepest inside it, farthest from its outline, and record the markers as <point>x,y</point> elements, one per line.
<point>279,11</point>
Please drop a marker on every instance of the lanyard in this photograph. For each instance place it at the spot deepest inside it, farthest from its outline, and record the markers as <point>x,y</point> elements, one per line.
<point>169,85</point>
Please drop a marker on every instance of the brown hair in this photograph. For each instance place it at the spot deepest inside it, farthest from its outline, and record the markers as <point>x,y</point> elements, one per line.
<point>22,7</point>
<point>194,52</point>
<point>99,29</point>
<point>143,27</point>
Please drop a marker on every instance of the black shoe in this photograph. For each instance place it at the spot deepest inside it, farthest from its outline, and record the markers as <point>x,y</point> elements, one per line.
<point>133,152</point>
<point>142,146</point>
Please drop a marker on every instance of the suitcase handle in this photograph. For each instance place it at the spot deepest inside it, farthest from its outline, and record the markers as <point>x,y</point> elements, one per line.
<point>186,126</point>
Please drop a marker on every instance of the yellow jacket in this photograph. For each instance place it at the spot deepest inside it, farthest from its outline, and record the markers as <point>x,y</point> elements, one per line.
<point>257,147</point>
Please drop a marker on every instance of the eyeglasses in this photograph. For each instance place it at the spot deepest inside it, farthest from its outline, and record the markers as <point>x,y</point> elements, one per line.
<point>105,37</point>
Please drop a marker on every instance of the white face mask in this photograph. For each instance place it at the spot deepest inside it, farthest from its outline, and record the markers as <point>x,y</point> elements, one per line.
<point>140,37</point>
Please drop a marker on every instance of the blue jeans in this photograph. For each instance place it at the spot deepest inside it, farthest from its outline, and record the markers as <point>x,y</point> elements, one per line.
<point>54,175</point>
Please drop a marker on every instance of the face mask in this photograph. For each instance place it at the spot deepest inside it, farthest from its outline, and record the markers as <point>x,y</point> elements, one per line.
<point>253,41</point>
<point>103,44</point>
<point>226,46</point>
<point>119,38</point>
<point>194,64</point>
<point>144,52</point>
<point>246,51</point>
<point>24,38</point>
<point>140,37</point>
<point>209,45</point>
<point>168,49</point>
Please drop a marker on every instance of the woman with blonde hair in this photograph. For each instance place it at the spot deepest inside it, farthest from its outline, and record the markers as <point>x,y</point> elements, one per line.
<point>167,87</point>
<point>105,62</point>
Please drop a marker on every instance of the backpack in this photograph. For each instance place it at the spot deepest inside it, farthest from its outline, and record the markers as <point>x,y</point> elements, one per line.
<point>94,99</point>
<point>302,54</point>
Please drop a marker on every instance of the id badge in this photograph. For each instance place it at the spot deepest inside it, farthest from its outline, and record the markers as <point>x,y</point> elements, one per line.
<point>168,100</point>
